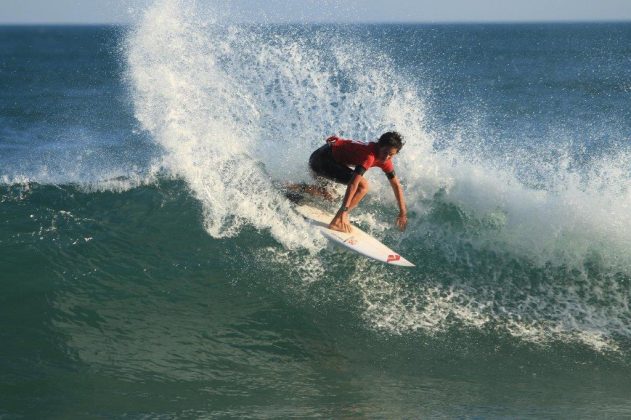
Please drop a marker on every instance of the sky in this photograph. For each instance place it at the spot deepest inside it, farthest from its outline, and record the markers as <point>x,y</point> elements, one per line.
<point>426,11</point>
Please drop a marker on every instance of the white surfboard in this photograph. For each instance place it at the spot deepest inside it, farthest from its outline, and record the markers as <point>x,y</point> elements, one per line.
<point>357,240</point>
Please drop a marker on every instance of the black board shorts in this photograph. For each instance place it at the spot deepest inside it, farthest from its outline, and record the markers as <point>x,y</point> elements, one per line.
<point>322,164</point>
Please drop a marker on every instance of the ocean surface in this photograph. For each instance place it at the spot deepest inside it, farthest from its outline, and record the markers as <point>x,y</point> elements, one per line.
<point>150,267</point>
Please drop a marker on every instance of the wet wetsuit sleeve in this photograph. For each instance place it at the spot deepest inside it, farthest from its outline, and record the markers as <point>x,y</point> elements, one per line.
<point>359,169</point>
<point>388,169</point>
<point>366,164</point>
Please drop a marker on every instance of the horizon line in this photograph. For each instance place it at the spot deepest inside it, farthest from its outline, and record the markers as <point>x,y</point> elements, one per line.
<point>359,22</point>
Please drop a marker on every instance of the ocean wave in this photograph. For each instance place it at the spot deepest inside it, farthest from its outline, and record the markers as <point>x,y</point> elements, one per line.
<point>238,108</point>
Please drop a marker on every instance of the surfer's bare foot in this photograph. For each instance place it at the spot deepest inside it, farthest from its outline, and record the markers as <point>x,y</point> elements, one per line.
<point>341,227</point>
<point>341,223</point>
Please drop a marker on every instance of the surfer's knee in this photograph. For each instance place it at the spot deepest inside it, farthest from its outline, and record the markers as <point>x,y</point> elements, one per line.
<point>363,185</point>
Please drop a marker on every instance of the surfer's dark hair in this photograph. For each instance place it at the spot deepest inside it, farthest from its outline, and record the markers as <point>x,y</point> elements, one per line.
<point>391,139</point>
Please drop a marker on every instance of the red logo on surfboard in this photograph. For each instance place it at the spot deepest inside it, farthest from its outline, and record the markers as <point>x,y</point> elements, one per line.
<point>394,257</point>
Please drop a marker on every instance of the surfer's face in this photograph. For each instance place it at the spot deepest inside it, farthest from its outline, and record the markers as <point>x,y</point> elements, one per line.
<point>385,153</point>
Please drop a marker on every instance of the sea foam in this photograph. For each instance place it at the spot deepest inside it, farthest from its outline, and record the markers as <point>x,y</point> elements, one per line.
<point>238,108</point>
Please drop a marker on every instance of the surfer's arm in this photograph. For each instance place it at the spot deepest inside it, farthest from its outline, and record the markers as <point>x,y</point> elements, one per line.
<point>402,220</point>
<point>351,199</point>
<point>357,188</point>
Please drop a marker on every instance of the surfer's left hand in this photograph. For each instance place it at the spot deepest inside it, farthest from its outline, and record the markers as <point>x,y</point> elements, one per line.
<point>402,221</point>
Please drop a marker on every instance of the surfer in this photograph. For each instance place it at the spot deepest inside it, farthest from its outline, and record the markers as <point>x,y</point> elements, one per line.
<point>333,161</point>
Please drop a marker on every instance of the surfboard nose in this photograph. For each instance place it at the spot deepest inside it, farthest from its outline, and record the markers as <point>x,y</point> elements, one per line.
<point>396,259</point>
<point>357,240</point>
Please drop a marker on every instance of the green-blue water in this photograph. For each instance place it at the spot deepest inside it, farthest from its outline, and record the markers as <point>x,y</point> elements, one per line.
<point>150,268</point>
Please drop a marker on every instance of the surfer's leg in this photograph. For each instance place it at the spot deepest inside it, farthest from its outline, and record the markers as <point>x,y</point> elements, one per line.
<point>362,189</point>
<point>318,190</point>
<point>325,170</point>
<point>324,165</point>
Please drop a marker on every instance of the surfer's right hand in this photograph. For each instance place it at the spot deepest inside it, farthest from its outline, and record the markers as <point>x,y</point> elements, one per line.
<point>401,222</point>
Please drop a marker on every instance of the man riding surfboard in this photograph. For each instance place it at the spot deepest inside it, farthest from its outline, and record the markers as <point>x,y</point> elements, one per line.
<point>334,160</point>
